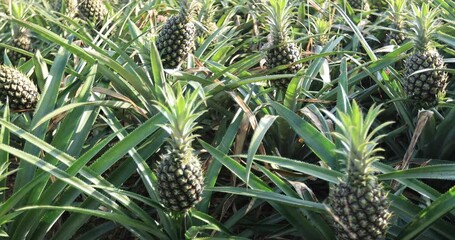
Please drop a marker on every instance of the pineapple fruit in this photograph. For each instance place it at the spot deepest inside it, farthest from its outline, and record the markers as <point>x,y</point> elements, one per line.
<point>92,10</point>
<point>176,40</point>
<point>180,178</point>
<point>279,50</point>
<point>424,86</point>
<point>397,14</point>
<point>23,41</point>
<point>359,203</point>
<point>20,91</point>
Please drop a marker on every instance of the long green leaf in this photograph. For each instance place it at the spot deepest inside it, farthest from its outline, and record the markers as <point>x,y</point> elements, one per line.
<point>214,169</point>
<point>256,183</point>
<point>210,220</point>
<point>357,32</point>
<point>117,178</point>
<point>271,196</point>
<point>406,210</point>
<point>429,215</point>
<point>315,219</point>
<point>303,167</point>
<point>119,218</point>
<point>61,140</point>
<point>4,156</point>
<point>316,141</point>
<point>443,171</point>
<point>61,175</point>
<point>264,124</point>
<point>45,105</point>
<point>71,106</point>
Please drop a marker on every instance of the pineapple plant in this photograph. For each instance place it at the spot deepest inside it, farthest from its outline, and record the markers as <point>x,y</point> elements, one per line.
<point>18,88</point>
<point>92,10</point>
<point>425,77</point>
<point>21,39</point>
<point>69,7</point>
<point>397,15</point>
<point>279,48</point>
<point>176,39</point>
<point>359,203</point>
<point>180,177</point>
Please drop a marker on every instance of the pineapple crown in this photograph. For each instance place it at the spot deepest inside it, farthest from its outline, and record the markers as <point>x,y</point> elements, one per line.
<point>423,23</point>
<point>321,28</point>
<point>321,25</point>
<point>279,20</point>
<point>181,110</point>
<point>208,10</point>
<point>359,145</point>
<point>21,32</point>
<point>188,8</point>
<point>397,11</point>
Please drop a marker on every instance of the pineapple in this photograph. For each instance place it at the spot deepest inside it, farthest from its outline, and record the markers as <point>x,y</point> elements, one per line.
<point>23,41</point>
<point>176,40</point>
<point>279,49</point>
<point>359,203</point>
<point>20,91</point>
<point>396,11</point>
<point>425,79</point>
<point>180,178</point>
<point>92,10</point>
<point>69,8</point>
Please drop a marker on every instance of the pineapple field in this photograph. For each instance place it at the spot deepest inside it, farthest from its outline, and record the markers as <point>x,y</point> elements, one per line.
<point>227,119</point>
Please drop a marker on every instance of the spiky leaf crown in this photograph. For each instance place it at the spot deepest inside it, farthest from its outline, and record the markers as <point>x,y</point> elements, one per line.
<point>188,8</point>
<point>423,23</point>
<point>359,146</point>
<point>397,11</point>
<point>279,19</point>
<point>181,110</point>
<point>208,10</point>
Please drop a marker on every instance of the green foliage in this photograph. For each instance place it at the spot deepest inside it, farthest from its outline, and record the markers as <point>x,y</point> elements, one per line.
<point>82,164</point>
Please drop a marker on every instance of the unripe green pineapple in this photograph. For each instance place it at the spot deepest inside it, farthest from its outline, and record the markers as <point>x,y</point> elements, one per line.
<point>180,177</point>
<point>425,77</point>
<point>23,41</point>
<point>359,202</point>
<point>176,39</point>
<point>20,91</point>
<point>397,14</point>
<point>92,10</point>
<point>70,7</point>
<point>279,50</point>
